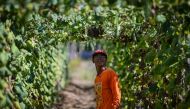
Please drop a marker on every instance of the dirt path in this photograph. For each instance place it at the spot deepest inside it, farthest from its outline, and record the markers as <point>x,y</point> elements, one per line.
<point>79,93</point>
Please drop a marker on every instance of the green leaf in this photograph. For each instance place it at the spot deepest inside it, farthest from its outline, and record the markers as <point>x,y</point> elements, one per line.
<point>16,105</point>
<point>54,2</point>
<point>2,99</point>
<point>22,105</point>
<point>4,71</point>
<point>18,90</point>
<point>11,95</point>
<point>14,49</point>
<point>3,84</point>
<point>147,8</point>
<point>170,61</point>
<point>158,105</point>
<point>8,101</point>
<point>161,18</point>
<point>54,17</point>
<point>3,58</point>
<point>10,37</point>
<point>171,86</point>
<point>150,56</point>
<point>157,71</point>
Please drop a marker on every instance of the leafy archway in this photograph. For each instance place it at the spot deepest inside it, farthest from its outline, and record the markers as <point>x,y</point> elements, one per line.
<point>149,47</point>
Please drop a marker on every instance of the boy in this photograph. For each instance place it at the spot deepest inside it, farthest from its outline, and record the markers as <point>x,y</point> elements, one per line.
<point>107,89</point>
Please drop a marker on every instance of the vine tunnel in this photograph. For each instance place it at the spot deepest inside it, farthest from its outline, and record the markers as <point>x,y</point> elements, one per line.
<point>148,43</point>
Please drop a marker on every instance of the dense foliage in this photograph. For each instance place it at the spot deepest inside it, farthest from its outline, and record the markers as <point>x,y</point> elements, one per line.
<point>149,48</point>
<point>33,64</point>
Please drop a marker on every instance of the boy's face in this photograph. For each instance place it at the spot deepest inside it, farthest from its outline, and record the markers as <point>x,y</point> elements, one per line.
<point>99,60</point>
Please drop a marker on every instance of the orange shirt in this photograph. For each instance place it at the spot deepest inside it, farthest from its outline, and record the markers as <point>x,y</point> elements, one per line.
<point>107,89</point>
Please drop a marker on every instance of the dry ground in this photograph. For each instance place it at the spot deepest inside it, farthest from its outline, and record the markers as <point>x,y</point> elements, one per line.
<point>79,93</point>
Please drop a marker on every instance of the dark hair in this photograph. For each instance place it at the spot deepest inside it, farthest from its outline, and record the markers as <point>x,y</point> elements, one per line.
<point>99,54</point>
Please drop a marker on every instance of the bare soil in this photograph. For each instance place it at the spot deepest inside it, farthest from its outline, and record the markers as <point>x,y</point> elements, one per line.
<point>79,93</point>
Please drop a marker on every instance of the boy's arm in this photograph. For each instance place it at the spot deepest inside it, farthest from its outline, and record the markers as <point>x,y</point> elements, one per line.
<point>115,91</point>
